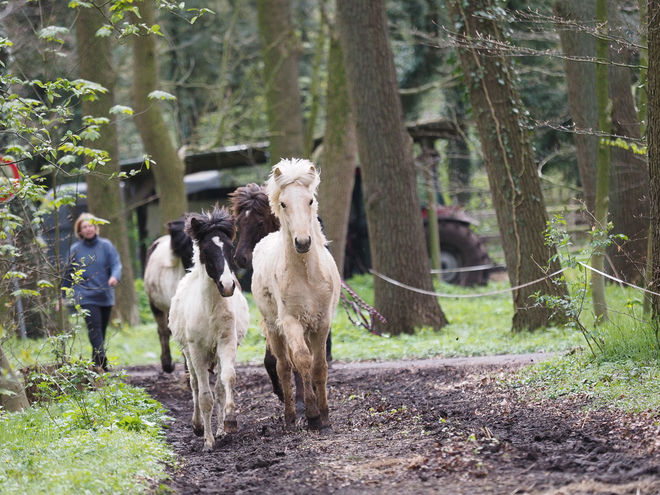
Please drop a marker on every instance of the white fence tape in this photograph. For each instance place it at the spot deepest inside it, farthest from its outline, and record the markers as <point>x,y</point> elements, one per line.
<point>502,291</point>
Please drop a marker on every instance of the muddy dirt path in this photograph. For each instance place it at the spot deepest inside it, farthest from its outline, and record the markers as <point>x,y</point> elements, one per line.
<point>413,428</point>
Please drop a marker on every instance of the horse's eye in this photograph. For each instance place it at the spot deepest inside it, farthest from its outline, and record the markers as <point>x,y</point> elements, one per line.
<point>282,205</point>
<point>311,202</point>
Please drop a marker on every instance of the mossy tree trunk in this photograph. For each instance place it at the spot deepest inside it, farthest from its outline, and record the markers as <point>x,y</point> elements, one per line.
<point>338,158</point>
<point>169,169</point>
<point>509,159</point>
<point>580,81</point>
<point>396,230</point>
<point>653,134</point>
<point>281,55</point>
<point>603,171</point>
<point>12,391</point>
<point>103,195</point>
<point>629,189</point>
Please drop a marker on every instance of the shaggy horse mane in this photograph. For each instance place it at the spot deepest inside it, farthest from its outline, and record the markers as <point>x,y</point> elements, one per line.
<point>180,242</point>
<point>200,224</point>
<point>250,197</point>
<point>287,172</point>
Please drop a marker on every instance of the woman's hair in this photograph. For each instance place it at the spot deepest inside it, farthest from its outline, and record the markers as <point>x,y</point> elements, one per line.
<point>84,217</point>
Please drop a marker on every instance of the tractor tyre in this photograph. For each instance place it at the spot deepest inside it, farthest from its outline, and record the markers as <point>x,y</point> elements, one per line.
<point>461,248</point>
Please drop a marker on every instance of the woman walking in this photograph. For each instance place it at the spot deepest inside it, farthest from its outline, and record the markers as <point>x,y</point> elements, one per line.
<point>101,267</point>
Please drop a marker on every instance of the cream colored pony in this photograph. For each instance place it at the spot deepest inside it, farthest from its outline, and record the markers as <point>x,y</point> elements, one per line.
<point>296,287</point>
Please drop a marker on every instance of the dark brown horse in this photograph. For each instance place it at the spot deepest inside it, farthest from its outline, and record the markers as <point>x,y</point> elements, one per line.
<point>254,221</point>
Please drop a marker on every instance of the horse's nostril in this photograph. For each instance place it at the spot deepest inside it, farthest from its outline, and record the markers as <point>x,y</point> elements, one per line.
<point>302,246</point>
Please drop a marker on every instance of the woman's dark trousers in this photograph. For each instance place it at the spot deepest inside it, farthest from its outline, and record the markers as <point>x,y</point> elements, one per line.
<point>97,321</point>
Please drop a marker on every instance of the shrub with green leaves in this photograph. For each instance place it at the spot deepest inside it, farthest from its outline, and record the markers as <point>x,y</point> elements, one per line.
<point>108,440</point>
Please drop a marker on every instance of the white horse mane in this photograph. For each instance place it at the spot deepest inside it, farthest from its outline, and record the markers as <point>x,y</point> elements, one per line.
<point>287,172</point>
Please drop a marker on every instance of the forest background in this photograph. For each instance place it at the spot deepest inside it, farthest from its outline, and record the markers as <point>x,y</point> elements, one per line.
<point>540,94</point>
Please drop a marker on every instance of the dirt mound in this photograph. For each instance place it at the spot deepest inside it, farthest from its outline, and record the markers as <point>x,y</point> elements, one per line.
<point>412,430</point>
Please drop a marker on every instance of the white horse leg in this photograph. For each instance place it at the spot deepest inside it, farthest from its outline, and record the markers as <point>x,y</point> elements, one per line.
<point>279,348</point>
<point>219,400</point>
<point>198,425</point>
<point>204,394</point>
<point>302,361</point>
<point>320,375</point>
<point>225,385</point>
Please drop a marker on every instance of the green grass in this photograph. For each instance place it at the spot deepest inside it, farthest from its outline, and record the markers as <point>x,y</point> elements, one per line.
<point>620,370</point>
<point>478,326</point>
<point>107,441</point>
<point>624,384</point>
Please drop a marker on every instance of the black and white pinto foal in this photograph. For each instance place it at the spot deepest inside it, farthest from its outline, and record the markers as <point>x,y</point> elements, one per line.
<point>209,317</point>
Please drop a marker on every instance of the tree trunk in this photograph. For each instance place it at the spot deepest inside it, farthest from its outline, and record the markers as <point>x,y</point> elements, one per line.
<point>12,391</point>
<point>509,160</point>
<point>168,169</point>
<point>643,62</point>
<point>338,159</point>
<point>580,81</point>
<point>428,160</point>
<point>629,191</point>
<point>653,135</point>
<point>396,230</point>
<point>103,195</point>
<point>281,54</point>
<point>603,170</point>
<point>628,172</point>
<point>460,171</point>
<point>460,164</point>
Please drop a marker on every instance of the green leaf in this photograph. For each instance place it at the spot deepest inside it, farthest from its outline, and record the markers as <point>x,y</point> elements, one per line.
<point>66,159</point>
<point>52,33</point>
<point>121,109</point>
<point>88,86</point>
<point>161,95</point>
<point>91,133</point>
<point>104,32</point>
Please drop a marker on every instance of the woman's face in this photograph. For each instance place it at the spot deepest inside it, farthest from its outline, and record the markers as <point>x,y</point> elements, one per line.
<point>87,230</point>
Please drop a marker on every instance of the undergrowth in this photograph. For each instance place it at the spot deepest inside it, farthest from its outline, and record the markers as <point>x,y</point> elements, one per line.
<point>623,374</point>
<point>105,440</point>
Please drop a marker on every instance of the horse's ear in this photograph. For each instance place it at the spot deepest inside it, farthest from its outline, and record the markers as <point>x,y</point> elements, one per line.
<point>195,226</point>
<point>312,169</point>
<point>277,172</point>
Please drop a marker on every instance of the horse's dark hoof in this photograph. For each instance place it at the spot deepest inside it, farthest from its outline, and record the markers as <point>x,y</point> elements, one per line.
<point>231,426</point>
<point>198,430</point>
<point>315,423</point>
<point>301,408</point>
<point>168,367</point>
<point>326,430</point>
